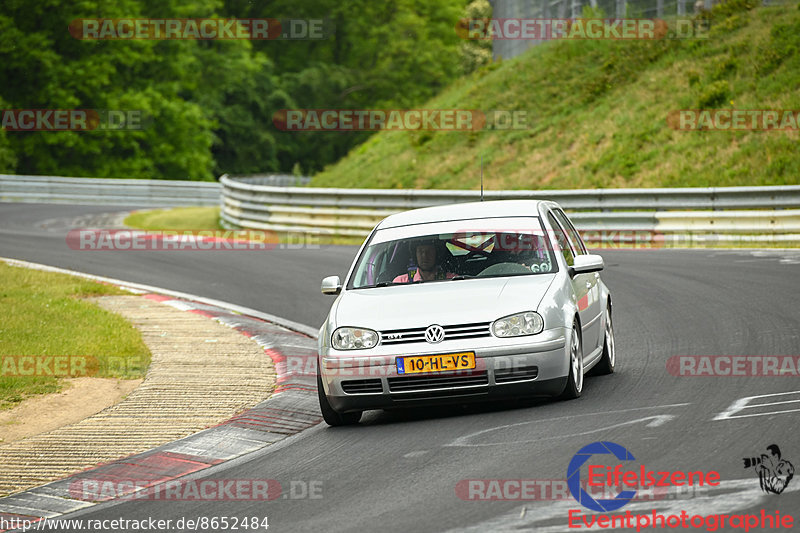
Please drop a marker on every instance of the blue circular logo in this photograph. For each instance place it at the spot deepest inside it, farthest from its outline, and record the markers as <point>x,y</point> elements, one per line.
<point>574,476</point>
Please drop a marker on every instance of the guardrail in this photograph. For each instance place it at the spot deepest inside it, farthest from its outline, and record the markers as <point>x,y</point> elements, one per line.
<point>140,193</point>
<point>271,202</point>
<point>765,213</point>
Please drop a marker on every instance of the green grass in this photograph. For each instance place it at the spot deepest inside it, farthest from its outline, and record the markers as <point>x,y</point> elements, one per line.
<point>43,315</point>
<point>179,218</point>
<point>207,218</point>
<point>597,115</point>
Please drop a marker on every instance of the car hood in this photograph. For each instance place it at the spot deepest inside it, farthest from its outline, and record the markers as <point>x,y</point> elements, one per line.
<point>443,302</point>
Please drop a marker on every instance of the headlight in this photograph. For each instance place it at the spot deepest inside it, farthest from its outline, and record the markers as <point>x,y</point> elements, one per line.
<point>528,323</point>
<point>354,338</point>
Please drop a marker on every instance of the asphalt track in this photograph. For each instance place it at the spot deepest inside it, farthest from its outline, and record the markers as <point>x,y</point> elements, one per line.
<point>398,471</point>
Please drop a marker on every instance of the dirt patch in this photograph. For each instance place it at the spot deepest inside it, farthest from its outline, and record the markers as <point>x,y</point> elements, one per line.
<point>80,398</point>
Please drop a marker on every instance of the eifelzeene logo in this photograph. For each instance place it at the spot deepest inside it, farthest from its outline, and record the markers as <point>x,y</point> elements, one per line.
<point>639,478</point>
<point>574,476</point>
<point>774,473</point>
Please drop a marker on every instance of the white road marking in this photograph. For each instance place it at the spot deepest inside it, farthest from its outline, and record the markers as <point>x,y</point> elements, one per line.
<point>785,257</point>
<point>655,421</point>
<point>417,453</point>
<point>744,403</point>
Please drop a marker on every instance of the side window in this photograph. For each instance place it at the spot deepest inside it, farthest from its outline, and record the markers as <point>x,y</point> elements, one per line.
<point>572,233</point>
<point>563,242</point>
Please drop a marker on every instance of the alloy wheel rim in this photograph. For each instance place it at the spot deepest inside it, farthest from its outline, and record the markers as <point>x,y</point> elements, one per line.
<point>612,354</point>
<point>577,361</point>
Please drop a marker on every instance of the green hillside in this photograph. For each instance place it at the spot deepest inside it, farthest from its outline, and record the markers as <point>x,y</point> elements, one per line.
<point>597,115</point>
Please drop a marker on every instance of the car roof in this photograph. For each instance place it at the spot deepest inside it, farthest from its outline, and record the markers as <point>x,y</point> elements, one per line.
<point>465,211</point>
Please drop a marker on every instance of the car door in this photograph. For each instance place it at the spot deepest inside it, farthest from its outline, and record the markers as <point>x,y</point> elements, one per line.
<point>585,286</point>
<point>594,303</point>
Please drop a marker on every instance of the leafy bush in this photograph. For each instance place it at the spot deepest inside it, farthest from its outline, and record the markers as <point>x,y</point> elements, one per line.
<point>713,95</point>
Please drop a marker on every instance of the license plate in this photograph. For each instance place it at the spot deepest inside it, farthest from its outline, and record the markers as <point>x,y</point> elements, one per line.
<point>416,364</point>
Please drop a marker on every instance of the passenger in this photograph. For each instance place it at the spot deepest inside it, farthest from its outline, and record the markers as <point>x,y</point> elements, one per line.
<point>428,258</point>
<point>523,249</point>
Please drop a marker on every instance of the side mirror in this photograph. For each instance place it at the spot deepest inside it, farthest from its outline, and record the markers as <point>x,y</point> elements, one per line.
<point>586,263</point>
<point>332,285</point>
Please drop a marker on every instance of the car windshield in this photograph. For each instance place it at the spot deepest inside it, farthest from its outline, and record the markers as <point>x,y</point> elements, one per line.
<point>483,250</point>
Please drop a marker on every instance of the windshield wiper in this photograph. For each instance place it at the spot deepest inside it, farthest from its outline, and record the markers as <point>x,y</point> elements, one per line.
<point>462,276</point>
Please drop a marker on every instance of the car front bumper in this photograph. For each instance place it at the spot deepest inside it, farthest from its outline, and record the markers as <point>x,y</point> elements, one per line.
<point>514,369</point>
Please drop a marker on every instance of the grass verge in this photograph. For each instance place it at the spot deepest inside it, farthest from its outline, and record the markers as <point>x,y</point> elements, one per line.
<point>597,115</point>
<point>178,218</point>
<point>207,218</point>
<point>45,317</point>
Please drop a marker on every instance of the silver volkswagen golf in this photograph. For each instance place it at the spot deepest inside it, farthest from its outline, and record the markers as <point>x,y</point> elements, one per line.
<point>464,302</point>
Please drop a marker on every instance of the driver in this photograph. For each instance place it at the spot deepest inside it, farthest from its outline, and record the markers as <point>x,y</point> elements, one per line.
<point>428,256</point>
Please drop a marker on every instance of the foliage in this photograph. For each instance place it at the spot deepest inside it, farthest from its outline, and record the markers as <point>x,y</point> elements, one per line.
<point>209,105</point>
<point>476,53</point>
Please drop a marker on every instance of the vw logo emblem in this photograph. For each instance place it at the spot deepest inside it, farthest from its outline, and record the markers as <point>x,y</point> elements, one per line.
<point>434,334</point>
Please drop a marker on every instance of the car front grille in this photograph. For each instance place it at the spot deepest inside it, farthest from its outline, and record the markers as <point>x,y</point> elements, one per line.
<point>519,373</point>
<point>362,386</point>
<point>453,332</point>
<point>429,382</point>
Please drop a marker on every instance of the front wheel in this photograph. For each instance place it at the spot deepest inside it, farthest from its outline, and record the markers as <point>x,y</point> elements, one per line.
<point>609,358</point>
<point>575,379</point>
<point>331,416</point>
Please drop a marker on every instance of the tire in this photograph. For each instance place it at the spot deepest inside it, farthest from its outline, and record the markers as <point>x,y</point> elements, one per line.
<point>574,385</point>
<point>331,416</point>
<point>609,359</point>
